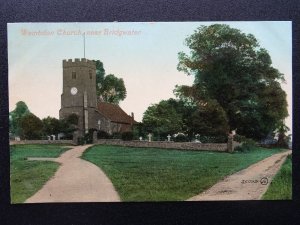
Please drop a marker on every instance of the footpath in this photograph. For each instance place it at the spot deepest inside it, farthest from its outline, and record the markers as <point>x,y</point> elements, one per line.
<point>76,180</point>
<point>248,184</point>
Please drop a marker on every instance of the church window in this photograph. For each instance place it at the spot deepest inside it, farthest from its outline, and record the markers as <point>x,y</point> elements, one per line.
<point>90,72</point>
<point>73,75</point>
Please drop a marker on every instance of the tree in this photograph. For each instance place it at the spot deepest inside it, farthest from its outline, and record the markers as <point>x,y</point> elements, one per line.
<point>31,127</point>
<point>113,89</point>
<point>100,73</point>
<point>72,119</point>
<point>15,117</point>
<point>109,87</point>
<point>230,67</point>
<point>51,126</point>
<point>162,119</point>
<point>209,120</point>
<point>69,125</point>
<point>283,138</point>
<point>185,109</point>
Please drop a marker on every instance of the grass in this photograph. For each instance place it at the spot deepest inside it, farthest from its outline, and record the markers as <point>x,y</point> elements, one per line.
<point>281,185</point>
<point>152,174</point>
<point>27,177</point>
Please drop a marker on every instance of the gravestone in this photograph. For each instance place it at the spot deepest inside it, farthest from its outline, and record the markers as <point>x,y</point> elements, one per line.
<point>17,139</point>
<point>149,137</point>
<point>169,137</point>
<point>60,136</point>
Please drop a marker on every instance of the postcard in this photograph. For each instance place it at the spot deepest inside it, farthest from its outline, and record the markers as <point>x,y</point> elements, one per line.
<point>150,111</point>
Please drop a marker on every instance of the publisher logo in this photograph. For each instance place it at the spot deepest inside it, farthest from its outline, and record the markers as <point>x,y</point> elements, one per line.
<point>264,181</point>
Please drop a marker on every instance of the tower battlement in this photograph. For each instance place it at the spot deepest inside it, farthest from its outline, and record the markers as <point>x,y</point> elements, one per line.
<point>78,63</point>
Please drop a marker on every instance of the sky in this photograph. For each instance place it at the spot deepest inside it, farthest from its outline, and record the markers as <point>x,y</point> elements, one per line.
<point>144,54</point>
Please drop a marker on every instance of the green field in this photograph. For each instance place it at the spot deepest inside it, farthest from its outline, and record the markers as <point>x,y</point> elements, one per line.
<point>27,177</point>
<point>150,174</point>
<point>281,186</point>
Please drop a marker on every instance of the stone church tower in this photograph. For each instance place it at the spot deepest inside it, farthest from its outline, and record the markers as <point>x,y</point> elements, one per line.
<point>79,93</point>
<point>79,97</point>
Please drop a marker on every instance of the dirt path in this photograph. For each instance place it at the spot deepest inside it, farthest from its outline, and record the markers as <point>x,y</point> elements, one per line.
<point>248,184</point>
<point>76,180</point>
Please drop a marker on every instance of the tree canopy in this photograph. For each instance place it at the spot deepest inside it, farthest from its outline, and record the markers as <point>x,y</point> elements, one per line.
<point>162,119</point>
<point>113,89</point>
<point>15,117</point>
<point>110,88</point>
<point>31,127</point>
<point>209,120</point>
<point>230,67</point>
<point>26,125</point>
<point>51,126</point>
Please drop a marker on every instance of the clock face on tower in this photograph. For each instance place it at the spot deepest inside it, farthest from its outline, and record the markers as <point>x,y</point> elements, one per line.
<point>73,90</point>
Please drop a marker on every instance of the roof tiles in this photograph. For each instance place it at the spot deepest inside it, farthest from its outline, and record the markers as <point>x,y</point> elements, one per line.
<point>114,113</point>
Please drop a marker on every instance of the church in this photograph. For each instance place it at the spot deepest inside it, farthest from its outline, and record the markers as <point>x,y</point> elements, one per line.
<point>79,97</point>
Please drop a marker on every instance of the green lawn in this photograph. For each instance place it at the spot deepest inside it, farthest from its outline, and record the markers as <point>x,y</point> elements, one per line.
<point>281,186</point>
<point>152,174</point>
<point>27,177</point>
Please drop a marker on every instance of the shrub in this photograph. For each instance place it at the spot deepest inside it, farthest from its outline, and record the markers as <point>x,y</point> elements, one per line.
<point>213,139</point>
<point>73,119</point>
<point>80,141</point>
<point>127,136</point>
<point>180,138</point>
<point>103,135</point>
<point>116,135</point>
<point>247,145</point>
<point>157,138</point>
<point>67,136</point>
<point>88,138</point>
<point>239,138</point>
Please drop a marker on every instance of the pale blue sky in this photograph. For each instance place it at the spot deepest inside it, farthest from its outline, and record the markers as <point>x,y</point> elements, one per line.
<point>146,61</point>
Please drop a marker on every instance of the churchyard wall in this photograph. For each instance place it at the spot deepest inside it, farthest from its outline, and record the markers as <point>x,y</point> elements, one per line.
<point>41,142</point>
<point>220,147</point>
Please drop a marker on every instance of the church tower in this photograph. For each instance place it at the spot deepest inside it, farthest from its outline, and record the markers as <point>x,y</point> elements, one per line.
<point>79,92</point>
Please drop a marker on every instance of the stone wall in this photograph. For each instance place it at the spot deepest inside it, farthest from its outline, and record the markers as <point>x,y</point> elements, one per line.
<point>41,142</point>
<point>220,147</point>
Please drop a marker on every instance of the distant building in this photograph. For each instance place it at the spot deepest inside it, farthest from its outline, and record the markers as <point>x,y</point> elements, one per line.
<point>79,97</point>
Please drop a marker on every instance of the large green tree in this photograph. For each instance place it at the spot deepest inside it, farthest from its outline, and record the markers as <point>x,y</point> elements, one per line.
<point>283,137</point>
<point>69,125</point>
<point>100,73</point>
<point>209,120</point>
<point>162,119</point>
<point>113,89</point>
<point>51,126</point>
<point>201,117</point>
<point>109,87</point>
<point>15,117</point>
<point>55,126</point>
<point>230,67</point>
<point>31,126</point>
<point>185,111</point>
